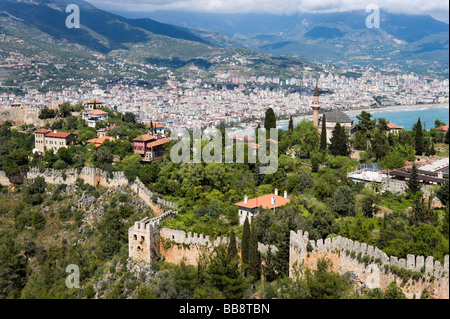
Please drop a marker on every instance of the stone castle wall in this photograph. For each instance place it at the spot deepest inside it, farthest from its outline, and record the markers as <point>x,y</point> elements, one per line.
<point>95,176</point>
<point>344,253</point>
<point>21,114</point>
<point>177,244</point>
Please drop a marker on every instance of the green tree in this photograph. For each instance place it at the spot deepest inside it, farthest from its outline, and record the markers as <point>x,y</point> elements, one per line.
<point>323,135</point>
<point>232,246</point>
<point>65,109</point>
<point>15,162</point>
<point>369,203</point>
<point>270,121</point>
<point>102,157</point>
<point>379,144</point>
<point>129,117</point>
<point>443,193</point>
<point>419,142</point>
<point>422,213</point>
<point>245,244</point>
<point>393,160</point>
<point>291,124</point>
<point>268,269</point>
<point>366,124</point>
<point>13,270</point>
<point>254,258</point>
<point>343,201</point>
<point>339,141</point>
<point>112,234</point>
<point>282,256</point>
<point>224,274</point>
<point>413,183</point>
<point>323,283</point>
<point>394,292</point>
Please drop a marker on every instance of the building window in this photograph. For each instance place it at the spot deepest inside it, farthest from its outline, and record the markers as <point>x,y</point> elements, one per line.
<point>142,239</point>
<point>135,237</point>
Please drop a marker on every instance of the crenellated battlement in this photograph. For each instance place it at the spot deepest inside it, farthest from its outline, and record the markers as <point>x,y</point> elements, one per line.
<point>299,242</point>
<point>362,259</point>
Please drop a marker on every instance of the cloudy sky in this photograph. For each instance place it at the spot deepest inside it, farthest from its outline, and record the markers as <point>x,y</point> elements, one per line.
<point>437,8</point>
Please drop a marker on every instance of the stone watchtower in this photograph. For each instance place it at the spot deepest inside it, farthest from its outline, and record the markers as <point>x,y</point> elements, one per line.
<point>143,241</point>
<point>315,106</point>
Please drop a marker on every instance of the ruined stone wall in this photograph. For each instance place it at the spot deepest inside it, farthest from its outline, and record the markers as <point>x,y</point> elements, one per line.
<point>177,244</point>
<point>371,266</point>
<point>95,176</point>
<point>21,114</point>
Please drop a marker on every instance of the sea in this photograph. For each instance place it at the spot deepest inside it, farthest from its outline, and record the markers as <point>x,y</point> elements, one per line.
<point>405,117</point>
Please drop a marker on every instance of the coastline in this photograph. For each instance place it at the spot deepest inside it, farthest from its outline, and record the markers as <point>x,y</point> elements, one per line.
<point>297,119</point>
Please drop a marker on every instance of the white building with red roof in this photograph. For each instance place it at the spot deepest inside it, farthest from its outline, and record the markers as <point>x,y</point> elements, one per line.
<point>248,207</point>
<point>45,140</point>
<point>92,117</point>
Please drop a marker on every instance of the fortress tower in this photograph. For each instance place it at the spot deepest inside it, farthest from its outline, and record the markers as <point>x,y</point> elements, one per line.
<point>315,106</point>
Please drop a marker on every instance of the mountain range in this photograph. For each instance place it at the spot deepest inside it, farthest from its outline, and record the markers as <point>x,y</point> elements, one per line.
<point>211,43</point>
<point>327,37</point>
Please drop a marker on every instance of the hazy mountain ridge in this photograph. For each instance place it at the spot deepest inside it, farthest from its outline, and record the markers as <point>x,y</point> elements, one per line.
<point>326,37</point>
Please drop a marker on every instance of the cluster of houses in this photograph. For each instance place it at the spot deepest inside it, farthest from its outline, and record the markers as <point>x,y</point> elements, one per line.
<point>150,146</point>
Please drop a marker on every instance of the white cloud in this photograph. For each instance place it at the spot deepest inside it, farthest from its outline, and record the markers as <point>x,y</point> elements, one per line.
<point>275,6</point>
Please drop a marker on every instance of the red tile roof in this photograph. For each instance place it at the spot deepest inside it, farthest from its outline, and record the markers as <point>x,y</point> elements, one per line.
<point>42,130</point>
<point>58,134</point>
<point>144,138</point>
<point>265,201</point>
<point>443,128</point>
<point>92,102</point>
<point>161,141</point>
<point>155,125</point>
<point>393,126</point>
<point>100,140</point>
<point>97,112</point>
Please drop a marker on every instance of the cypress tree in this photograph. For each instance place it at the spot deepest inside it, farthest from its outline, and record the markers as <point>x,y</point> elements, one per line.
<point>232,247</point>
<point>270,121</point>
<point>269,267</point>
<point>291,124</point>
<point>339,142</point>
<point>256,134</point>
<point>418,139</point>
<point>323,135</point>
<point>447,138</point>
<point>413,183</point>
<point>282,256</point>
<point>245,244</point>
<point>432,151</point>
<point>254,259</point>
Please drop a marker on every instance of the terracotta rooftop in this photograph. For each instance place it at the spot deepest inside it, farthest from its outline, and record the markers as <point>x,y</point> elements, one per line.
<point>144,138</point>
<point>97,112</point>
<point>159,142</point>
<point>393,126</point>
<point>264,201</point>
<point>100,140</point>
<point>92,102</point>
<point>443,128</point>
<point>58,134</point>
<point>42,130</point>
<point>155,125</point>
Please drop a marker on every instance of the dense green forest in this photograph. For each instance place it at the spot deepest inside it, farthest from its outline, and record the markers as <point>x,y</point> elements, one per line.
<point>44,227</point>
